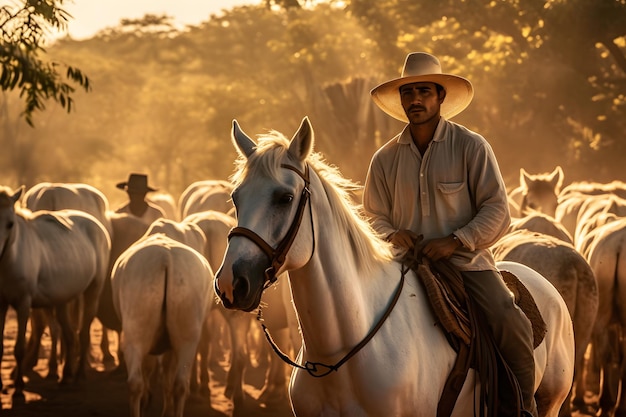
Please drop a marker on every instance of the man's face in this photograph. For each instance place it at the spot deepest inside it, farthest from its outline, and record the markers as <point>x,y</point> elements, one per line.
<point>136,195</point>
<point>421,101</point>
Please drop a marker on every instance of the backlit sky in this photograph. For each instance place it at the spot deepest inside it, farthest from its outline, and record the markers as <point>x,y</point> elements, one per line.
<point>90,16</point>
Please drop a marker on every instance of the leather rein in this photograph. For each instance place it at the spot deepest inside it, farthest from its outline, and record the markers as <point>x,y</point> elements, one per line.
<point>277,259</point>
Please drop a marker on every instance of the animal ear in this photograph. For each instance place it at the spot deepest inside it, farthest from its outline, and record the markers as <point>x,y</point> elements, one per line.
<point>16,195</point>
<point>242,142</point>
<point>556,178</point>
<point>302,142</point>
<point>524,178</point>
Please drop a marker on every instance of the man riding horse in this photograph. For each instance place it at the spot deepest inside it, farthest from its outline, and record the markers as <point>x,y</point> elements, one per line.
<point>439,180</point>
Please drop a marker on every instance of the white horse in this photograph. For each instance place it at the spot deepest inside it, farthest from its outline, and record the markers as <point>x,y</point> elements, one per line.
<point>161,290</point>
<point>167,202</point>
<point>343,279</point>
<point>205,195</point>
<point>541,223</point>
<point>536,192</point>
<point>58,196</point>
<point>606,257</point>
<point>48,259</point>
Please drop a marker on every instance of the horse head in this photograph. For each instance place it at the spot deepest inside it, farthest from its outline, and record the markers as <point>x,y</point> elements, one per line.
<point>540,191</point>
<point>8,198</point>
<point>271,197</point>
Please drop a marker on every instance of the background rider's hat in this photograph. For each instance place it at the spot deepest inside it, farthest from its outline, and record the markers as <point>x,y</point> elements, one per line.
<point>423,67</point>
<point>136,183</point>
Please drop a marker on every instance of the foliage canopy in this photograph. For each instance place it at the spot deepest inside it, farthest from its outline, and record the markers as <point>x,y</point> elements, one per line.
<point>550,81</point>
<point>23,30</point>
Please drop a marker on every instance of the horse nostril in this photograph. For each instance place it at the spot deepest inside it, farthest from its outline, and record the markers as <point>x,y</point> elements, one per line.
<point>241,287</point>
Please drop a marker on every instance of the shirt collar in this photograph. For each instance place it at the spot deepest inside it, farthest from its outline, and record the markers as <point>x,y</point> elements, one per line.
<point>440,133</point>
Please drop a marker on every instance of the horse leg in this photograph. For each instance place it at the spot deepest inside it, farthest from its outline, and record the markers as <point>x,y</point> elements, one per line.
<point>180,388</point>
<point>204,348</point>
<point>194,385</point>
<point>592,373</point>
<point>3,316</point>
<point>107,357</point>
<point>168,364</point>
<point>576,397</point>
<point>239,325</point>
<point>55,341</point>
<point>611,373</point>
<point>68,336</point>
<point>137,382</point>
<point>37,327</point>
<point>23,312</point>
<point>620,410</point>
<point>90,300</point>
<point>199,380</point>
<point>121,367</point>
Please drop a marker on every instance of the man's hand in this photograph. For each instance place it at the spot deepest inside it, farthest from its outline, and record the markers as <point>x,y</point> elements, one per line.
<point>442,248</point>
<point>404,239</point>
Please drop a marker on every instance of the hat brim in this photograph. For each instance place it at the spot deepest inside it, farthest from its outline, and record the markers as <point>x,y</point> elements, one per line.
<point>124,186</point>
<point>459,94</point>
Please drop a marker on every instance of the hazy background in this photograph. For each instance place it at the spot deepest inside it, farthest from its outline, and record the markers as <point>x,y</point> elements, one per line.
<point>91,16</point>
<point>550,81</point>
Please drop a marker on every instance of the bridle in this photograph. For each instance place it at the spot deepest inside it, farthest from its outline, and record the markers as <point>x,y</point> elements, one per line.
<point>277,256</point>
<point>277,259</point>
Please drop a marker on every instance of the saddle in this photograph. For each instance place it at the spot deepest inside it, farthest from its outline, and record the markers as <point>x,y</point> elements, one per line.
<point>468,337</point>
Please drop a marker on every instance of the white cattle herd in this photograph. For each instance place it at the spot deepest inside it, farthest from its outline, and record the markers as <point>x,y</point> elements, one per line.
<point>61,246</point>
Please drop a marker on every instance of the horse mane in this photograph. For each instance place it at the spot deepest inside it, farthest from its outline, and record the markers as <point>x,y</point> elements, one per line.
<point>368,245</point>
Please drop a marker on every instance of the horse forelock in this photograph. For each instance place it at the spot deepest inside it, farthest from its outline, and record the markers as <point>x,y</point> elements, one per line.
<point>271,152</point>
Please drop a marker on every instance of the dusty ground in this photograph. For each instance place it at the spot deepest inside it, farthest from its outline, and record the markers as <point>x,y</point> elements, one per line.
<point>104,392</point>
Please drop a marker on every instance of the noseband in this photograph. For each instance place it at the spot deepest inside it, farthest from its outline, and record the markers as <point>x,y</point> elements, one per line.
<point>277,256</point>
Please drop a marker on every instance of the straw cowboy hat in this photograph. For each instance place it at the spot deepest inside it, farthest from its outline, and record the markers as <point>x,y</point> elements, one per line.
<point>423,67</point>
<point>136,182</point>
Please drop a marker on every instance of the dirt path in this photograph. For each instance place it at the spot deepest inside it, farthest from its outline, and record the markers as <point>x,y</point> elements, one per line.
<point>104,393</point>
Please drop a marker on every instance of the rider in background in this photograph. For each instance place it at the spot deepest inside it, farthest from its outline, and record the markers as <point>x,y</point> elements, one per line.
<point>440,180</point>
<point>137,189</point>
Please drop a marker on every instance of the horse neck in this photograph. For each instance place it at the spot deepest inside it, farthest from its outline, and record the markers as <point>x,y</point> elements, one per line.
<point>336,304</point>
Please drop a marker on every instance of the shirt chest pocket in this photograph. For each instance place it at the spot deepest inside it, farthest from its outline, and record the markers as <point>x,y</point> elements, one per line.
<point>453,198</point>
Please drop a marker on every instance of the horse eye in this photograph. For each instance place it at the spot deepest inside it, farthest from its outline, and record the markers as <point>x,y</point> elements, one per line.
<point>10,225</point>
<point>285,199</point>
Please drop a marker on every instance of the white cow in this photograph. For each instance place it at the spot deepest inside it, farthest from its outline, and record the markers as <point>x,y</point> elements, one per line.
<point>161,289</point>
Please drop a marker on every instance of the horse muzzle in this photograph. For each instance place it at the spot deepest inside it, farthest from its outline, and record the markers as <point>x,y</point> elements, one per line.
<point>244,288</point>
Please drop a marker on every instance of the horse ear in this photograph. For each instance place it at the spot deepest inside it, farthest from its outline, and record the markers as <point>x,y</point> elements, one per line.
<point>242,142</point>
<point>302,142</point>
<point>16,195</point>
<point>556,178</point>
<point>524,178</point>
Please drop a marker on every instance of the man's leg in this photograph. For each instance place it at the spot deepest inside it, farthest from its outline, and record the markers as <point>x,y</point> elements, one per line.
<point>511,329</point>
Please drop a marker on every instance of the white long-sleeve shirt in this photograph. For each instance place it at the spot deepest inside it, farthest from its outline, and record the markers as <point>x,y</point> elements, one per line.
<point>456,187</point>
